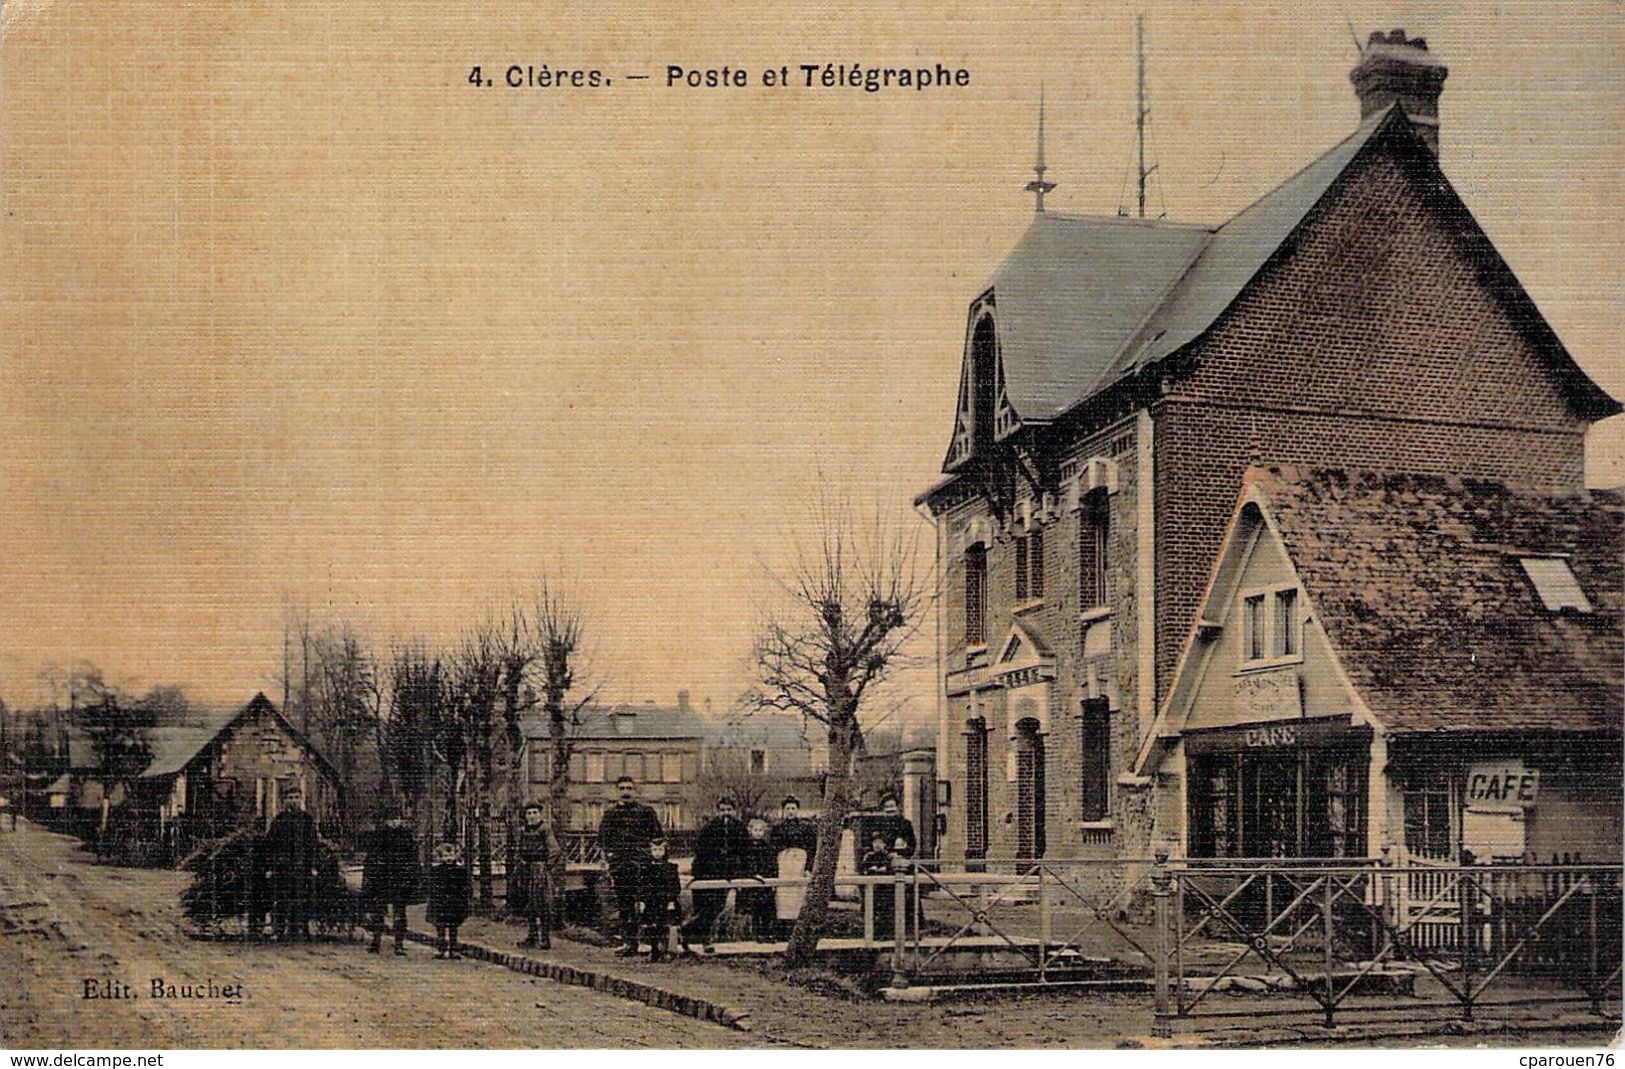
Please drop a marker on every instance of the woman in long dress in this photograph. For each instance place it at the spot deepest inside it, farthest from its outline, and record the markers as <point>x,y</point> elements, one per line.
<point>796,840</point>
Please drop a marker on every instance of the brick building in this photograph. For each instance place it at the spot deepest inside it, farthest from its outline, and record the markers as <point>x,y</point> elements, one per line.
<point>1406,665</point>
<point>1120,376</point>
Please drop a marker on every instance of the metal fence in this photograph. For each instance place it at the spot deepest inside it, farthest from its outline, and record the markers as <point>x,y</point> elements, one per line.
<point>1232,938</point>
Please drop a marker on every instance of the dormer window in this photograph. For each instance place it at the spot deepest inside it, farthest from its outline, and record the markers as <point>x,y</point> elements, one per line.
<point>1271,627</point>
<point>1555,584</point>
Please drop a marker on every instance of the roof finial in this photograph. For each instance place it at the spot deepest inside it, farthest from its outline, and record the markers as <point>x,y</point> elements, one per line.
<point>1038,187</point>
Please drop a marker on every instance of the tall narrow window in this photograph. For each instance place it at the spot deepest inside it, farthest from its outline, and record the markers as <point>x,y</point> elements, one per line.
<point>1035,564</point>
<point>1286,623</point>
<point>1093,528</point>
<point>1021,568</point>
<point>975,596</point>
<point>976,788</point>
<point>1252,622</point>
<point>1097,759</point>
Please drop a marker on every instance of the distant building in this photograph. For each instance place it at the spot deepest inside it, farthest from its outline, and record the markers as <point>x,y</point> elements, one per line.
<point>763,755</point>
<point>221,770</point>
<point>660,748</point>
<point>1401,665</point>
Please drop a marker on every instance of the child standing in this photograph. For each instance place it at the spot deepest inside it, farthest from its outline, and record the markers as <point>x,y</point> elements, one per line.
<point>877,861</point>
<point>448,899</point>
<point>657,904</point>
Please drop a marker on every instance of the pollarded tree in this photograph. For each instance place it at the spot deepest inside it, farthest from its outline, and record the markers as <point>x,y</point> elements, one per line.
<point>845,612</point>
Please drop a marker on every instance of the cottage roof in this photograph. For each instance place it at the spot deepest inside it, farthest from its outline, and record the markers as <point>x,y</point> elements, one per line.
<point>1419,585</point>
<point>1084,301</point>
<point>625,721</point>
<point>175,745</point>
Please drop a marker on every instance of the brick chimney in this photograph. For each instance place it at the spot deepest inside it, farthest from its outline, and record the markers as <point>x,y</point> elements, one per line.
<point>682,702</point>
<point>1394,68</point>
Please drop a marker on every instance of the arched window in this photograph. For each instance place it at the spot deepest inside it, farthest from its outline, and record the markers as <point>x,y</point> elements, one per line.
<point>984,392</point>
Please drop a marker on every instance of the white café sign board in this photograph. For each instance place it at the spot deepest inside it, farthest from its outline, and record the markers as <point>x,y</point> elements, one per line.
<point>1502,785</point>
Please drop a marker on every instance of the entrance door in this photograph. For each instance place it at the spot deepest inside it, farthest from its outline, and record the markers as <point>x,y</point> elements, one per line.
<point>1270,812</point>
<point>1029,790</point>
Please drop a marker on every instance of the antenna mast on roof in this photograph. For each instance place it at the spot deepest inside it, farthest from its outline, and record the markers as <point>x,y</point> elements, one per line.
<point>1038,187</point>
<point>1141,111</point>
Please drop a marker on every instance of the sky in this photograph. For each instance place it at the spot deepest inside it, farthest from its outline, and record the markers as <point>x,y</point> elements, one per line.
<point>292,314</point>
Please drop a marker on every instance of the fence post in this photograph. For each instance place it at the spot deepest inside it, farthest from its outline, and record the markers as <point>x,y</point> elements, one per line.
<point>899,889</point>
<point>1594,969</point>
<point>868,892</point>
<point>1043,926</point>
<point>1467,903</point>
<point>1161,882</point>
<point>1326,922</point>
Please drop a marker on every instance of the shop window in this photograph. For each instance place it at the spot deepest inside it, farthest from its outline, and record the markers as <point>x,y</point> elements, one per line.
<point>1096,759</point>
<point>1428,822</point>
<point>1093,528</point>
<point>1211,807</point>
<point>976,596</point>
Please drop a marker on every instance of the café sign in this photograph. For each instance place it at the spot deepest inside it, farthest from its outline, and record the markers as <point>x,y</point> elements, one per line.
<point>1502,785</point>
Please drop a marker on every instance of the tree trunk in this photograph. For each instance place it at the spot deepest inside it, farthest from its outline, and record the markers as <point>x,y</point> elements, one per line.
<point>482,814</point>
<point>814,913</point>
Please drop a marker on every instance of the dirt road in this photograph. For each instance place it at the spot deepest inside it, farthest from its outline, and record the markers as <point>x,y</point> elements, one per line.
<point>66,923</point>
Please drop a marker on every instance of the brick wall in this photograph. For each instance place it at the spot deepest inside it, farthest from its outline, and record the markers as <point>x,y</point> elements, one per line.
<point>1372,344</point>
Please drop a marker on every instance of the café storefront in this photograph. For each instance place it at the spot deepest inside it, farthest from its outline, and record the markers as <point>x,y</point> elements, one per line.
<point>1278,789</point>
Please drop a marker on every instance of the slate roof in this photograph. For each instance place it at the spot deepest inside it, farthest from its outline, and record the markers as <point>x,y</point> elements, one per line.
<point>1083,301</point>
<point>642,722</point>
<point>759,732</point>
<point>1419,588</point>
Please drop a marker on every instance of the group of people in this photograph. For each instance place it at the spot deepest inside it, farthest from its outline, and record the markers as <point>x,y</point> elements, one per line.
<point>645,881</point>
<point>389,881</point>
<point>728,847</point>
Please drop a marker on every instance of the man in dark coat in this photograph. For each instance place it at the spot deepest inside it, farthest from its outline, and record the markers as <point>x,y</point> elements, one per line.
<point>900,840</point>
<point>624,835</point>
<point>291,848</point>
<point>534,853</point>
<point>388,877</point>
<point>721,852</point>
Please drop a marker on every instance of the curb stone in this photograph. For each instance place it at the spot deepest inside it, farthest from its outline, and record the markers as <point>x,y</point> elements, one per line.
<point>632,990</point>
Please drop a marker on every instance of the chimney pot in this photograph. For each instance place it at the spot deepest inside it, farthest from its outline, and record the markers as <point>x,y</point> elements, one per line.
<point>682,700</point>
<point>1396,70</point>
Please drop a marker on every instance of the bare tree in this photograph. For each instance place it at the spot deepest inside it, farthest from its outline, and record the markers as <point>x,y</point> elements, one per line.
<point>847,608</point>
<point>559,620</point>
